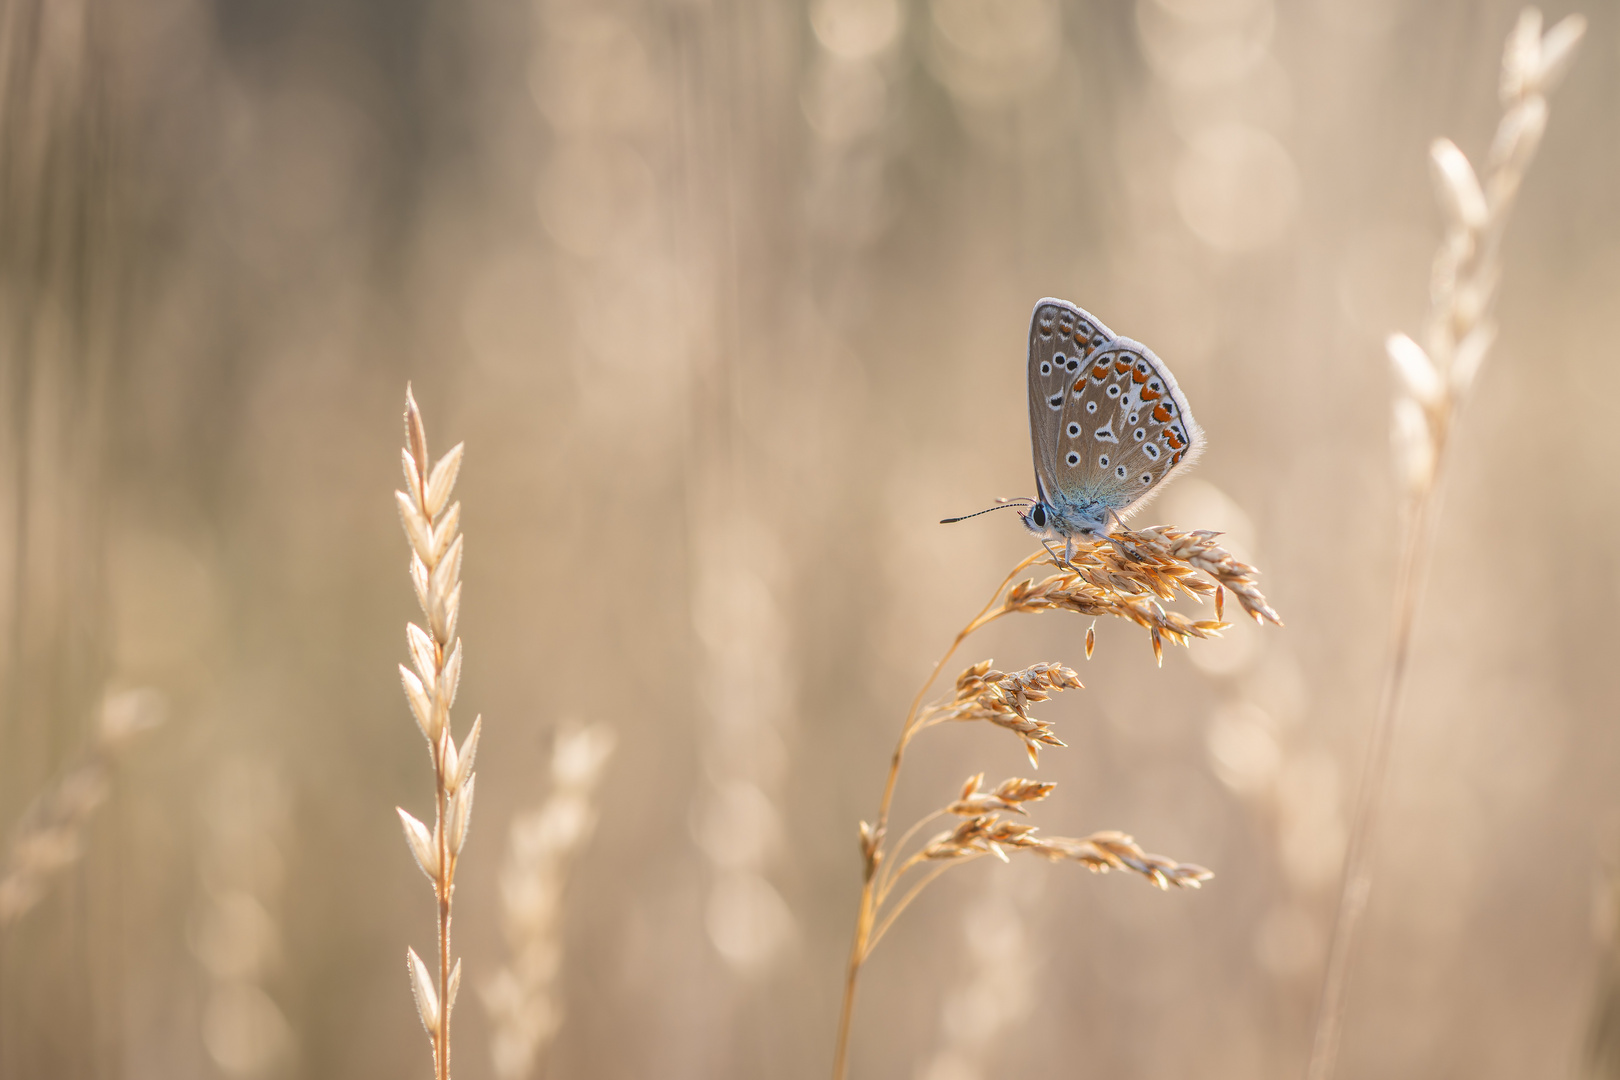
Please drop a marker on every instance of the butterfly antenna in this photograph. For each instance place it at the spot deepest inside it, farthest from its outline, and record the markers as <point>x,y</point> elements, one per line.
<point>1002,504</point>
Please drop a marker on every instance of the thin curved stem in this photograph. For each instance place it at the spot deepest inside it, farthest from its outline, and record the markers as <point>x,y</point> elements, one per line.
<point>905,901</point>
<point>908,728</point>
<point>860,948</point>
<point>894,882</point>
<point>887,876</point>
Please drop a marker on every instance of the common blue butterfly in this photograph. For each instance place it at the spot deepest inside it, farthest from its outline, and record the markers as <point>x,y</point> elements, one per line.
<point>1107,422</point>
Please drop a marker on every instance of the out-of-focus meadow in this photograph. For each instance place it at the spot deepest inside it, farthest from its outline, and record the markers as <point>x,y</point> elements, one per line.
<point>729,302</point>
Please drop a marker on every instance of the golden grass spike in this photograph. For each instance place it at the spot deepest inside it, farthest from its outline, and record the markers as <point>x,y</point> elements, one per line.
<point>434,534</point>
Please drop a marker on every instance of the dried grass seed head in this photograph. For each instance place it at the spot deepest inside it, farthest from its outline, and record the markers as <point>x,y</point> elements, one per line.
<point>1010,794</point>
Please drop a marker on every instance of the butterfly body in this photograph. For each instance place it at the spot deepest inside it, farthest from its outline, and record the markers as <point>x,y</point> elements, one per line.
<point>1108,425</point>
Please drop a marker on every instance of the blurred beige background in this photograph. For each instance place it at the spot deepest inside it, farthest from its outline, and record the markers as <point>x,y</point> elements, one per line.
<point>729,302</point>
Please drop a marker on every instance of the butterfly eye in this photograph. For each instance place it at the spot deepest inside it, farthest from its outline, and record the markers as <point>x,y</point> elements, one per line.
<point>1038,516</point>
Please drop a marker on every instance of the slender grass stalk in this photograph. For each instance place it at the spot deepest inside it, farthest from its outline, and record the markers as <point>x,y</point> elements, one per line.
<point>1434,381</point>
<point>432,526</point>
<point>1162,564</point>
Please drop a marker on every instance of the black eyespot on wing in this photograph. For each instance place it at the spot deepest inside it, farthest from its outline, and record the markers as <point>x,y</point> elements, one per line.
<point>1091,406</point>
<point>1120,472</point>
<point>1073,458</point>
<point>1102,462</point>
<point>1056,401</point>
<point>1074,430</point>
<point>1046,367</point>
<point>1147,478</point>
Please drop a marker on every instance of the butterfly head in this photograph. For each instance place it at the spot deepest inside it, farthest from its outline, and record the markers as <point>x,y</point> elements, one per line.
<point>1048,524</point>
<point>1038,520</point>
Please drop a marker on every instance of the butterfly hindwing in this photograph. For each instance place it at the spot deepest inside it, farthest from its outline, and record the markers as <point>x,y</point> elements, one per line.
<point>1123,430</point>
<point>1062,341</point>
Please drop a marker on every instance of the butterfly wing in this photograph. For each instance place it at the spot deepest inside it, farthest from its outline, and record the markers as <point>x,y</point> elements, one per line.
<point>1062,339</point>
<point>1124,429</point>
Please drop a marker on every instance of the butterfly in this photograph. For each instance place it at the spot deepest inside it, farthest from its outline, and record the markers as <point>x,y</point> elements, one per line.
<point>1107,423</point>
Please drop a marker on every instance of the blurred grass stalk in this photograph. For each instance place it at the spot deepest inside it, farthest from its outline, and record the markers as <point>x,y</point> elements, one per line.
<point>542,844</point>
<point>50,836</point>
<point>432,524</point>
<point>1433,380</point>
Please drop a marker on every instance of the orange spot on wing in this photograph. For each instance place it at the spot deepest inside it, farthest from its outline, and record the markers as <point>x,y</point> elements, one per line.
<point>1176,458</point>
<point>1151,395</point>
<point>1175,443</point>
<point>1140,377</point>
<point>1161,414</point>
<point>1099,371</point>
<point>1078,383</point>
<point>1122,366</point>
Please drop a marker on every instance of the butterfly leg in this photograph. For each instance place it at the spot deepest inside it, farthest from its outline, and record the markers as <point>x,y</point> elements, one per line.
<point>1130,552</point>
<point>1059,561</point>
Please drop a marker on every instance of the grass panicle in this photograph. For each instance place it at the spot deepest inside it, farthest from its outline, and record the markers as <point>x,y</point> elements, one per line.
<point>432,525</point>
<point>1132,575</point>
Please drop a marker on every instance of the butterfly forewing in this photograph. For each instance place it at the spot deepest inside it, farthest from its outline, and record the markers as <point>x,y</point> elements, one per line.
<point>1123,430</point>
<point>1062,341</point>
